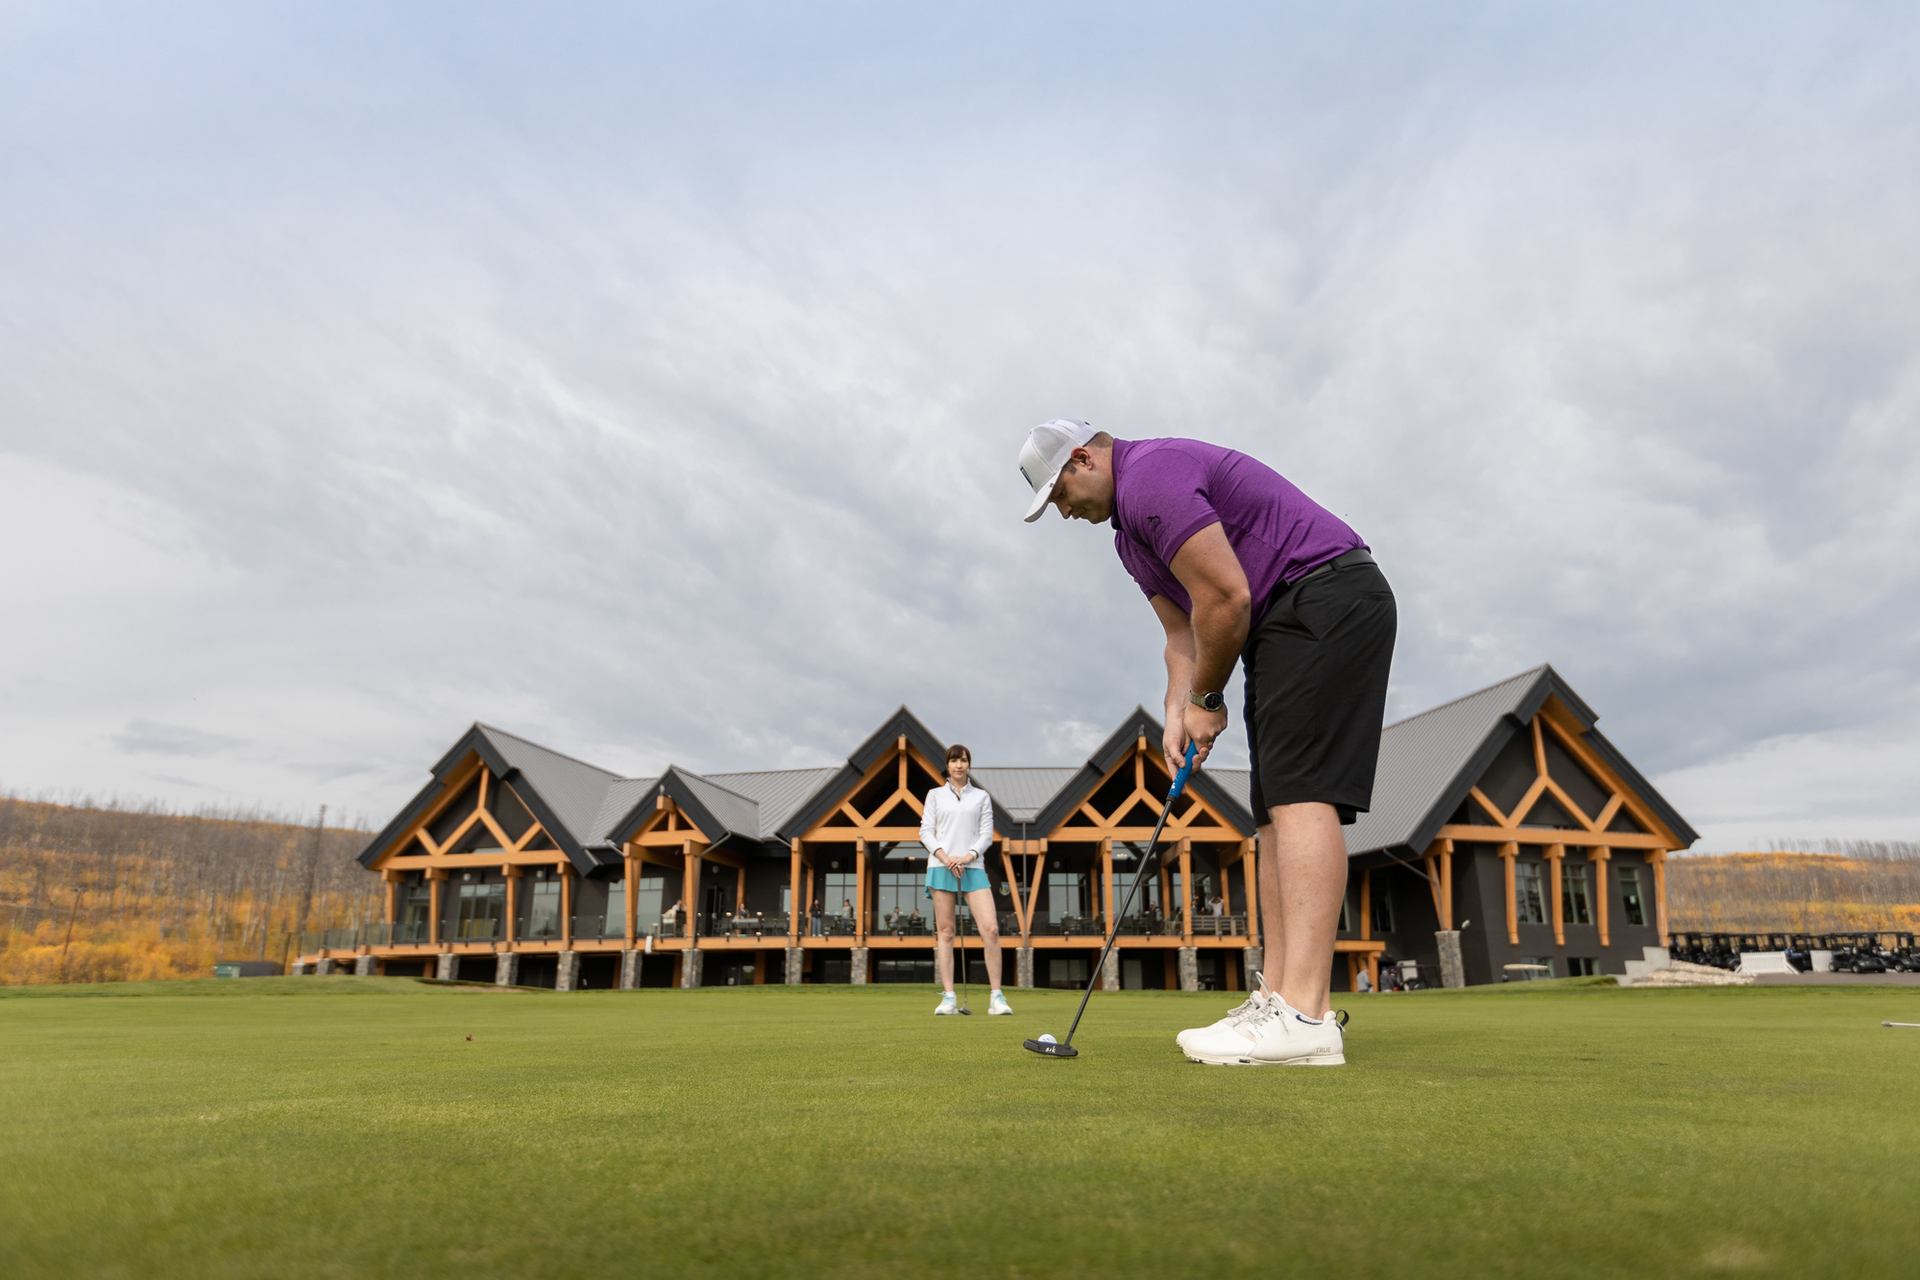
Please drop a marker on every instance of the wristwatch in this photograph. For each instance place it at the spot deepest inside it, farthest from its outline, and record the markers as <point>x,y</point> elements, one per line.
<point>1208,701</point>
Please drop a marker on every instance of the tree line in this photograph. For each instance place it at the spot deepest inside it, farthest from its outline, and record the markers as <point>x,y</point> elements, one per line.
<point>101,891</point>
<point>106,891</point>
<point>1848,886</point>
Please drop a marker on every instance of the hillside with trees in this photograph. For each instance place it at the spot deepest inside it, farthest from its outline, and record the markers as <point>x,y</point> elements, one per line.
<point>110,892</point>
<point>1845,886</point>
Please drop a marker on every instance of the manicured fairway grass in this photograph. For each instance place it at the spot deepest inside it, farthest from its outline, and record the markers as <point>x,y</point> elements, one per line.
<point>352,1127</point>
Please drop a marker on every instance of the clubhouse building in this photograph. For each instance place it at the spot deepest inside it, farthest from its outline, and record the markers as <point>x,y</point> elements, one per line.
<point>1508,838</point>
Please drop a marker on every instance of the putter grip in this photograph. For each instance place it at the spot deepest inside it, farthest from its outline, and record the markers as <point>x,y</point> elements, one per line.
<point>1180,778</point>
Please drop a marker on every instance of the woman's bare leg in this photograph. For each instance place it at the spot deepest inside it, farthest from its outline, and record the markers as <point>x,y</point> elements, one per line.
<point>943,908</point>
<point>986,923</point>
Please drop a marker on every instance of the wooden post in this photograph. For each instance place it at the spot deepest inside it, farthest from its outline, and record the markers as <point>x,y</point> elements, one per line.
<point>1186,890</point>
<point>1106,883</point>
<point>393,897</point>
<point>512,875</point>
<point>740,888</point>
<point>1508,852</point>
<point>1658,861</point>
<point>1446,885</point>
<point>566,907</point>
<point>1033,886</point>
<point>1366,905</point>
<point>1013,886</point>
<point>860,892</point>
<point>1599,859</point>
<point>1373,969</point>
<point>793,896</point>
<point>632,903</point>
<point>1250,860</point>
<point>690,891</point>
<point>435,876</point>
<point>1555,852</point>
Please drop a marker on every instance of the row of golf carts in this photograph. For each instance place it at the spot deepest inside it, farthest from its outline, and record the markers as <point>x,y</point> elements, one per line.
<point>1807,952</point>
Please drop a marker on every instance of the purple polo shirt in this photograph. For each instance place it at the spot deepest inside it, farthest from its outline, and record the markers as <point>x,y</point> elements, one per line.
<point>1165,491</point>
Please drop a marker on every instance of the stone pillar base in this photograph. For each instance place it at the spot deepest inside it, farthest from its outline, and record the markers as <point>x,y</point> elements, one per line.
<point>569,975</point>
<point>859,966</point>
<point>1110,972</point>
<point>445,963</point>
<point>1253,958</point>
<point>363,966</point>
<point>507,972</point>
<point>796,966</point>
<point>690,970</point>
<point>630,968</point>
<point>325,966</point>
<point>1453,969</point>
<point>1023,968</point>
<point>1189,968</point>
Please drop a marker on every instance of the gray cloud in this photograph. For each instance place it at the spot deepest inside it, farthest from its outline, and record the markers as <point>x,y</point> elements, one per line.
<point>666,412</point>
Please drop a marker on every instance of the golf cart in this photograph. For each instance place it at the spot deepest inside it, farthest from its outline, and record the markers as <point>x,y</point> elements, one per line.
<point>1857,953</point>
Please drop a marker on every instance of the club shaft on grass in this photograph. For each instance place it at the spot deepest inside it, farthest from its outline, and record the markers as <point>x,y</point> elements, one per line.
<point>1113,925</point>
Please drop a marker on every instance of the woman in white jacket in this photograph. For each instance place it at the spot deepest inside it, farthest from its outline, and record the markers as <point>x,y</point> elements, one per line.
<point>956,826</point>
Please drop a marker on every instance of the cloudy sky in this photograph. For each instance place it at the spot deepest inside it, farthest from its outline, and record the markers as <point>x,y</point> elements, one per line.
<point>646,380</point>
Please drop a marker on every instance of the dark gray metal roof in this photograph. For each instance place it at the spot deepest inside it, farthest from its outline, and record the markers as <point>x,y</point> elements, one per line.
<point>1424,757</point>
<point>736,815</point>
<point>573,790</point>
<point>779,793</point>
<point>1140,724</point>
<point>1427,763</point>
<point>622,796</point>
<point>1022,792</point>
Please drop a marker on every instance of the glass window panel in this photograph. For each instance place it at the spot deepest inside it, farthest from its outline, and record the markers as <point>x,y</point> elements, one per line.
<point>1635,912</point>
<point>1530,893</point>
<point>1067,895</point>
<point>1576,897</point>
<point>543,909</point>
<point>899,896</point>
<point>1382,904</point>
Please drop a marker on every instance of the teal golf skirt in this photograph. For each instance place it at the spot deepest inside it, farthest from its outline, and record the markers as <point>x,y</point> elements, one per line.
<point>938,877</point>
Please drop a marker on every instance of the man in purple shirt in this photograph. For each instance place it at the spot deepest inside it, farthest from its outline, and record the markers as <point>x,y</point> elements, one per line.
<point>1238,563</point>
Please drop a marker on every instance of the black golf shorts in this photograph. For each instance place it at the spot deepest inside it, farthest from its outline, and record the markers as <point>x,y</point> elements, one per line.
<point>1316,674</point>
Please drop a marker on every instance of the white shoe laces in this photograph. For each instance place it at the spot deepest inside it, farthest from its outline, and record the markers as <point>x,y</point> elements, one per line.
<point>1257,1000</point>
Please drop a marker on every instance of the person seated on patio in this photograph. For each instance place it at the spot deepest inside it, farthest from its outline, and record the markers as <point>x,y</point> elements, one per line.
<point>1215,907</point>
<point>670,918</point>
<point>917,920</point>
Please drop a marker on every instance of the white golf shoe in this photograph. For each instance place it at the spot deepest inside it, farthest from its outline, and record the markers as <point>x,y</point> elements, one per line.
<point>1256,999</point>
<point>1274,1035</point>
<point>948,1006</point>
<point>997,1006</point>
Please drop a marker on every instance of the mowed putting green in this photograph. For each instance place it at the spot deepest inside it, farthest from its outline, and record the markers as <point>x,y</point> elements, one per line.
<point>355,1127</point>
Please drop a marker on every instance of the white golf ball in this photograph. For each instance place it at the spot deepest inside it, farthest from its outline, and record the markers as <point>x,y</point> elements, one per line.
<point>1047,1038</point>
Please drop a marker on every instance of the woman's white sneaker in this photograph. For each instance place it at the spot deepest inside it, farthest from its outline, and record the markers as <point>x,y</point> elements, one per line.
<point>997,1006</point>
<point>948,1006</point>
<point>1273,1036</point>
<point>1256,999</point>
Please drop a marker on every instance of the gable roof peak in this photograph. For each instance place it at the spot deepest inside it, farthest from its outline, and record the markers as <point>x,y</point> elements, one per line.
<point>1531,673</point>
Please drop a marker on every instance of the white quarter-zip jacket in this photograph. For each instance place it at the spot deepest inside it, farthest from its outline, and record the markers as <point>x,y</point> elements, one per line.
<point>960,824</point>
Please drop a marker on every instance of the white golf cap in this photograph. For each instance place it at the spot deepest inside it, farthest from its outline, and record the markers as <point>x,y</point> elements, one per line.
<point>1045,454</point>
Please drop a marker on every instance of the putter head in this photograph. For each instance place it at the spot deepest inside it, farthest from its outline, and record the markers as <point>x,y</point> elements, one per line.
<point>965,1012</point>
<point>1048,1049</point>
